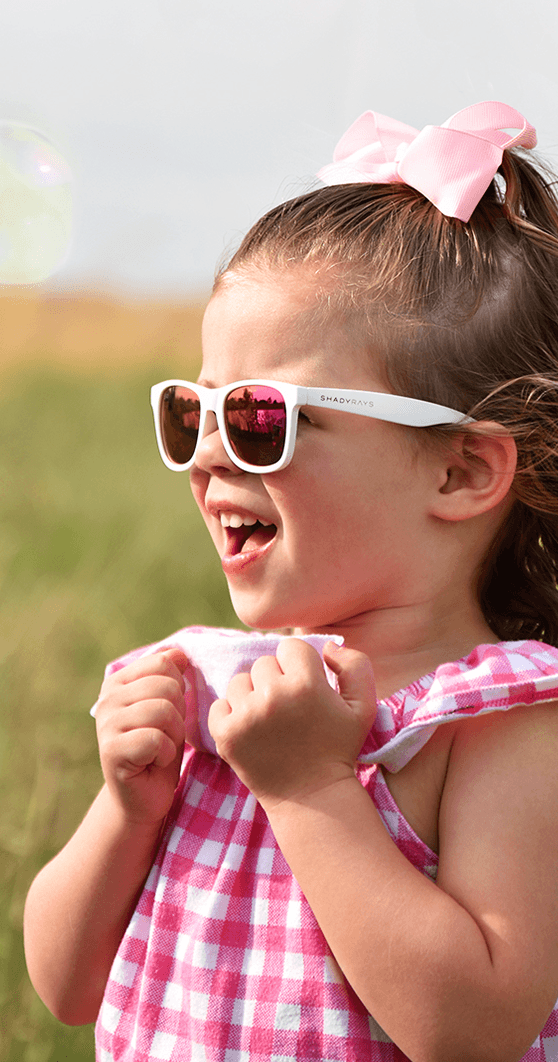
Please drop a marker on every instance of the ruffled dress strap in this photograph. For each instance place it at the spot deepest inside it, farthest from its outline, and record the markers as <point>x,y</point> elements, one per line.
<point>493,678</point>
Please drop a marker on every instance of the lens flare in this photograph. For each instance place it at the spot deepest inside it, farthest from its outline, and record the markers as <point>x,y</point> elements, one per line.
<point>35,205</point>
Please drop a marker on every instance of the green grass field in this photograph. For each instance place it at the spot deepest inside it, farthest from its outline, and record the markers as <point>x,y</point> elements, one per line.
<point>101,550</point>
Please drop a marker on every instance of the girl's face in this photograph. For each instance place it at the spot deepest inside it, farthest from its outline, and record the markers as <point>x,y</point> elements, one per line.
<point>340,529</point>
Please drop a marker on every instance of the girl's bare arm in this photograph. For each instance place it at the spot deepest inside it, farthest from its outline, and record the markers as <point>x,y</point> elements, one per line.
<point>466,968</point>
<point>78,908</point>
<point>79,905</point>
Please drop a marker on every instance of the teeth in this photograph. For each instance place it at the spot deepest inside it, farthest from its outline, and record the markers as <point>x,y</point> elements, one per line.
<point>236,520</point>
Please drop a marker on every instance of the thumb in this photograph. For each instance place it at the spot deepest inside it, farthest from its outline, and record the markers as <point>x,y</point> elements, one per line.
<point>176,654</point>
<point>354,676</point>
<point>178,657</point>
<point>219,713</point>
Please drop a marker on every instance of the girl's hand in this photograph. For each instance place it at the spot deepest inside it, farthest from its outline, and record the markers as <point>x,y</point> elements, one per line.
<point>144,716</point>
<point>283,729</point>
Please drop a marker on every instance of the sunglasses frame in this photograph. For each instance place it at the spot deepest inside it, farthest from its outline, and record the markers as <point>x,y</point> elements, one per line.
<point>396,409</point>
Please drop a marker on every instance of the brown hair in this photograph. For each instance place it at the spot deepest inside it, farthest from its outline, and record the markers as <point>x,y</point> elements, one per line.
<point>464,314</point>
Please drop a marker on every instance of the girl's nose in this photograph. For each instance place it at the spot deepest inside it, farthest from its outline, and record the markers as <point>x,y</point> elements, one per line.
<point>211,455</point>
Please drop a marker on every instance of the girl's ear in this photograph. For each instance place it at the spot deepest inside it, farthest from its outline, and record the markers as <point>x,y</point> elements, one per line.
<point>476,472</point>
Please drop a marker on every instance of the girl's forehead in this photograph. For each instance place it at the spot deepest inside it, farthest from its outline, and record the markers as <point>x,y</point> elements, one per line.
<point>274,293</point>
<point>278,324</point>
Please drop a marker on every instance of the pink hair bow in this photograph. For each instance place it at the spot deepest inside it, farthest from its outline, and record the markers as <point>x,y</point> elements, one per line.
<point>451,164</point>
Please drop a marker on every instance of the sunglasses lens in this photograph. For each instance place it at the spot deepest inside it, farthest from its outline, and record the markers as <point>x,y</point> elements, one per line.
<point>256,420</point>
<point>179,415</point>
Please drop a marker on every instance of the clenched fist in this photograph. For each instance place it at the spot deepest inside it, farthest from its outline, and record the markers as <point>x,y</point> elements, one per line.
<point>144,715</point>
<point>284,730</point>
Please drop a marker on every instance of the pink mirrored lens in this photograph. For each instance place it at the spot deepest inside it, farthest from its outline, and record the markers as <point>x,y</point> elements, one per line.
<point>179,415</point>
<point>256,421</point>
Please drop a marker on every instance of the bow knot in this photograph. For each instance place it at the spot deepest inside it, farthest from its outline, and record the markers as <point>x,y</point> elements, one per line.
<point>451,164</point>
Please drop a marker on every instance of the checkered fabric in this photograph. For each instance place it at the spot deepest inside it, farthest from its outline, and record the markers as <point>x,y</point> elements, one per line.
<point>223,960</point>
<point>492,678</point>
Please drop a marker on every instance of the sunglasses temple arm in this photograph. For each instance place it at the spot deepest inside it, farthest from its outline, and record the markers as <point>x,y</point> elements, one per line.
<point>396,409</point>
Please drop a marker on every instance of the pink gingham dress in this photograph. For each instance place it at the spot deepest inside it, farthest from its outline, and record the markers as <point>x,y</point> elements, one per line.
<point>223,960</point>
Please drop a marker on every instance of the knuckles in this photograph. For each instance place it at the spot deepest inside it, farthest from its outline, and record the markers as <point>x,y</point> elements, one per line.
<point>164,715</point>
<point>268,688</point>
<point>161,715</point>
<point>156,665</point>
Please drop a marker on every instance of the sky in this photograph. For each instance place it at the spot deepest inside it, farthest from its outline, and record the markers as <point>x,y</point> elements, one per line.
<point>184,120</point>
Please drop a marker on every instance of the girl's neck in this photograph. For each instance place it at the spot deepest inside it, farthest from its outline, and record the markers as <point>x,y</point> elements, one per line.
<point>408,642</point>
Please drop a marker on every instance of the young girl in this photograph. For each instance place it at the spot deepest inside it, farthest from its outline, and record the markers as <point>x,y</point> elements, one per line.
<point>373,446</point>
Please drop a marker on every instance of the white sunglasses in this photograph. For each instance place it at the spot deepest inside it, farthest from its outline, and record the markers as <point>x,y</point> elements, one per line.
<point>257,419</point>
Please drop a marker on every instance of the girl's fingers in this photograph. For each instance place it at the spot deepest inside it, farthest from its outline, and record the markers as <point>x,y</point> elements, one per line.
<point>354,675</point>
<point>294,655</point>
<point>353,669</point>
<point>171,662</point>
<point>220,709</point>
<point>155,714</point>
<point>239,687</point>
<point>139,749</point>
<point>218,714</point>
<point>266,669</point>
<point>151,677</point>
<point>153,687</point>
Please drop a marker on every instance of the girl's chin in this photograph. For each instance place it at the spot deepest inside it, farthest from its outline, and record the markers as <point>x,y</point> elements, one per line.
<point>271,616</point>
<point>259,615</point>
<point>259,621</point>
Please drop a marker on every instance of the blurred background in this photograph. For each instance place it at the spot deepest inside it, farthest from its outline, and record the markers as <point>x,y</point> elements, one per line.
<point>182,121</point>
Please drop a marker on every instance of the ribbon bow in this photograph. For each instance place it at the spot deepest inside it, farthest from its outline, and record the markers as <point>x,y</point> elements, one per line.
<point>451,164</point>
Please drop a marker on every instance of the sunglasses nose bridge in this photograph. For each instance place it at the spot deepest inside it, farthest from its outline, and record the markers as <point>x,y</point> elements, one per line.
<point>211,452</point>
<point>210,418</point>
<point>208,422</point>
<point>208,412</point>
<point>208,426</point>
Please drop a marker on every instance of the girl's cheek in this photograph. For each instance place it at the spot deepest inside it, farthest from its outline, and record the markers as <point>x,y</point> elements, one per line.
<point>198,485</point>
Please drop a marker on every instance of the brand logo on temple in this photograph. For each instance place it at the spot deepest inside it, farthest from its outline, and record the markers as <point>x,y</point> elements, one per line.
<point>345,401</point>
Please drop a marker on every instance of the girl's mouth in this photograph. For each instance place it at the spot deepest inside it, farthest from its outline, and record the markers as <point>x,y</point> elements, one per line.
<point>248,538</point>
<point>246,534</point>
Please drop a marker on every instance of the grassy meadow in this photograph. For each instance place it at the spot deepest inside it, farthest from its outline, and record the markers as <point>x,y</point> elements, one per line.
<point>101,550</point>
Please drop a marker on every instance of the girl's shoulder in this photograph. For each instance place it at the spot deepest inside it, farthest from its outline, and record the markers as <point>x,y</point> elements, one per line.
<point>492,678</point>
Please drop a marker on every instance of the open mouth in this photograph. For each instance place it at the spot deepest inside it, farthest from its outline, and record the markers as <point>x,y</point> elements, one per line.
<point>249,537</point>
